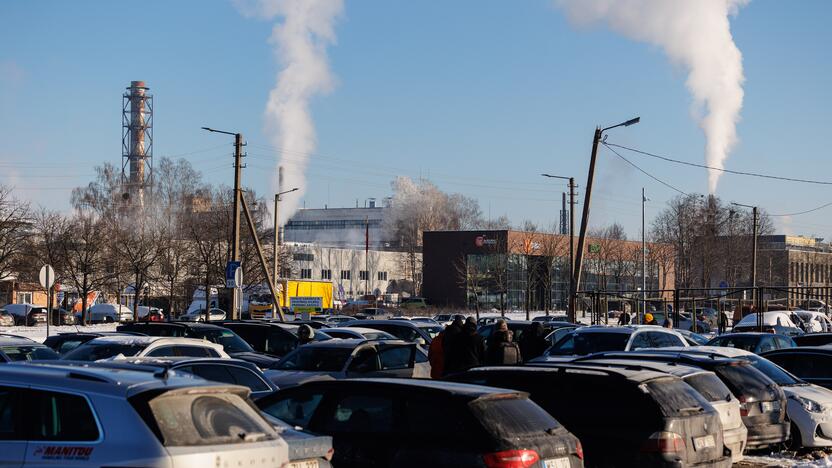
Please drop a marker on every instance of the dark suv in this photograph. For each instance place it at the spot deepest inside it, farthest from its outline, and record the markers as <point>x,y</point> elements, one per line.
<point>418,423</point>
<point>235,346</point>
<point>623,417</point>
<point>273,338</point>
<point>17,348</point>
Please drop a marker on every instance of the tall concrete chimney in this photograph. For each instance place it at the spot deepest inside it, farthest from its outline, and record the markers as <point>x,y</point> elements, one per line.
<point>137,143</point>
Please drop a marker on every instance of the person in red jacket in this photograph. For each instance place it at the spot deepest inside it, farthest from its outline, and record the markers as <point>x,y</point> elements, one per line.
<point>436,356</point>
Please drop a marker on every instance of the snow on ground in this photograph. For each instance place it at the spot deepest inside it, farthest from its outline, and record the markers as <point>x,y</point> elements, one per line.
<point>777,460</point>
<point>39,333</point>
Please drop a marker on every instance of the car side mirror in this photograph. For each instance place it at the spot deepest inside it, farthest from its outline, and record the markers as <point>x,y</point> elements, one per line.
<point>421,341</point>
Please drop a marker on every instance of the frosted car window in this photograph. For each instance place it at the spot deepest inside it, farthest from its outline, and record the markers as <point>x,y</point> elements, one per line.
<point>215,419</point>
<point>296,410</point>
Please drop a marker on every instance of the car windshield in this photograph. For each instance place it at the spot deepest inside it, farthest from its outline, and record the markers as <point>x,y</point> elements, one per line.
<point>744,342</point>
<point>432,330</point>
<point>307,358</point>
<point>379,335</point>
<point>773,371</point>
<point>94,351</point>
<point>588,343</point>
<point>229,340</point>
<point>29,353</point>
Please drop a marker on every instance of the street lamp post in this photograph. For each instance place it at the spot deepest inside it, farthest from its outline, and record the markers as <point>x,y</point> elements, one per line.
<point>571,307</point>
<point>276,233</point>
<point>754,261</point>
<point>579,256</point>
<point>235,238</point>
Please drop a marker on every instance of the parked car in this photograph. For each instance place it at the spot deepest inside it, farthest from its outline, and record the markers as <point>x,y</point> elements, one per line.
<point>558,334</point>
<point>762,401</point>
<point>151,314</point>
<point>198,315</point>
<point>63,317</point>
<point>368,313</point>
<point>231,343</point>
<point>778,318</point>
<point>275,339</point>
<point>517,327</point>
<point>682,322</point>
<point>446,319</point>
<point>419,333</point>
<point>623,417</point>
<point>26,314</point>
<point>306,449</point>
<point>693,339</point>
<point>358,332</point>
<point>813,339</point>
<point>734,432</point>
<point>109,313</point>
<point>119,347</point>
<point>72,416</point>
<point>228,371</point>
<point>594,339</point>
<point>336,320</point>
<point>756,343</point>
<point>63,343</point>
<point>413,303</point>
<point>298,321</point>
<point>339,359</point>
<point>6,319</point>
<point>816,322</point>
<point>810,363</point>
<point>17,348</point>
<point>394,422</point>
<point>427,320</point>
<point>809,407</point>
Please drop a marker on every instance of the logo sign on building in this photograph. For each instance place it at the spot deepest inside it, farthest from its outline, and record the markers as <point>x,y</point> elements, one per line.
<point>594,248</point>
<point>306,304</point>
<point>480,241</point>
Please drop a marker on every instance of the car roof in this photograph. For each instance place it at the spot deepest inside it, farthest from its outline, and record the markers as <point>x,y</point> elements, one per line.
<point>676,353</point>
<point>823,349</point>
<point>636,375</point>
<point>353,329</point>
<point>351,343</point>
<point>370,323</point>
<point>145,340</point>
<point>13,340</point>
<point>451,388</point>
<point>723,351</point>
<point>628,330</point>
<point>754,334</point>
<point>90,378</point>
<point>679,370</point>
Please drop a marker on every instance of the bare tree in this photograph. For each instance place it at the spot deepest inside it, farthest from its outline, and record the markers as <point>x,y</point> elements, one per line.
<point>84,248</point>
<point>14,228</point>
<point>139,245</point>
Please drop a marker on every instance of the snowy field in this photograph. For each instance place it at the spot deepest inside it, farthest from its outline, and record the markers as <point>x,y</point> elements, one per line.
<point>39,333</point>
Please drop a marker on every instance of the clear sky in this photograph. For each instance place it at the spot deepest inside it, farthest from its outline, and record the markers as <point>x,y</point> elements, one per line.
<point>478,96</point>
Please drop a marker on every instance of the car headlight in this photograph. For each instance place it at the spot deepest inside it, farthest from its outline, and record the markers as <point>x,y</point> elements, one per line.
<point>810,405</point>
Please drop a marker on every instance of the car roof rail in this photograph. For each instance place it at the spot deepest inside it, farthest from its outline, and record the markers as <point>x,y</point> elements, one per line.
<point>12,335</point>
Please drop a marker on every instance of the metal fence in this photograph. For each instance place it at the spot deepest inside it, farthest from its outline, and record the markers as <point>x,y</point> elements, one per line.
<point>718,306</point>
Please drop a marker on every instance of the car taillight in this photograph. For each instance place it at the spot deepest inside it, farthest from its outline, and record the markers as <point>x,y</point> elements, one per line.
<point>579,450</point>
<point>511,459</point>
<point>329,454</point>
<point>664,442</point>
<point>743,406</point>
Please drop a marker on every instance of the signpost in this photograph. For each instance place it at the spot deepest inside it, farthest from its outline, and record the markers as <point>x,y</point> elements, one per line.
<point>306,304</point>
<point>47,279</point>
<point>234,280</point>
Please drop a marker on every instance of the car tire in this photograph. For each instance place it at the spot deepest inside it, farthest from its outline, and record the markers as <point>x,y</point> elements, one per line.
<point>795,441</point>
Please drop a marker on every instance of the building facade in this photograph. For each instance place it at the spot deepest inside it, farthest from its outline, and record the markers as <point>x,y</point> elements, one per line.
<point>339,227</point>
<point>518,270</point>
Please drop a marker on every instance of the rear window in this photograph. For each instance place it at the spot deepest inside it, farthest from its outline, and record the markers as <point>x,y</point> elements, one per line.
<point>772,371</point>
<point>709,386</point>
<point>508,418</point>
<point>315,359</point>
<point>198,420</point>
<point>747,342</point>
<point>29,353</point>
<point>745,380</point>
<point>675,397</point>
<point>589,343</point>
<point>95,351</point>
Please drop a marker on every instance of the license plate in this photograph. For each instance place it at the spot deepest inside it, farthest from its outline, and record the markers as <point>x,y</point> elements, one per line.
<point>700,443</point>
<point>557,463</point>
<point>303,464</point>
<point>767,406</point>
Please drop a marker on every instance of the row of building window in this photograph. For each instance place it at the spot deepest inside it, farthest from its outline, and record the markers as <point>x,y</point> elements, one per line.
<point>809,273</point>
<point>363,275</point>
<point>331,224</point>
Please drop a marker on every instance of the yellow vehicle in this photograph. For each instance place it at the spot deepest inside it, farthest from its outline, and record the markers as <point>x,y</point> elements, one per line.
<point>261,305</point>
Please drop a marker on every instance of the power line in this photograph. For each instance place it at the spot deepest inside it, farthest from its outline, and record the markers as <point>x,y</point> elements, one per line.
<point>804,212</point>
<point>728,171</point>
<point>643,171</point>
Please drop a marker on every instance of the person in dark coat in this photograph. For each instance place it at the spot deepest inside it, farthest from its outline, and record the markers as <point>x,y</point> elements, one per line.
<point>502,351</point>
<point>533,342</point>
<point>305,334</point>
<point>449,345</point>
<point>624,318</point>
<point>467,350</point>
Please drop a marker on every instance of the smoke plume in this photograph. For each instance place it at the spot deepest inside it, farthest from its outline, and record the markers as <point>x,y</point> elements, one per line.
<point>696,35</point>
<point>303,30</point>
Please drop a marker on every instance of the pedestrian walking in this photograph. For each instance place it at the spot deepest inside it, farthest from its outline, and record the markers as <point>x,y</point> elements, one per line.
<point>436,356</point>
<point>649,319</point>
<point>467,350</point>
<point>450,339</point>
<point>533,342</point>
<point>624,318</point>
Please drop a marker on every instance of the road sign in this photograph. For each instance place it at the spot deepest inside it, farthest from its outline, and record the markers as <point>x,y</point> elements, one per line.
<point>232,275</point>
<point>306,304</point>
<point>47,276</point>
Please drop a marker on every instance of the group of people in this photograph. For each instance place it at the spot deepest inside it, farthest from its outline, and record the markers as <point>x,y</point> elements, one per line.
<point>459,347</point>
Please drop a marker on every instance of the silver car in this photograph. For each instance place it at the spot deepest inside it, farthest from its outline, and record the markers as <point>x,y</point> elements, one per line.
<point>58,415</point>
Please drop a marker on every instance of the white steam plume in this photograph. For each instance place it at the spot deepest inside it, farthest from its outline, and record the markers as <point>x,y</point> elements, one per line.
<point>301,35</point>
<point>696,35</point>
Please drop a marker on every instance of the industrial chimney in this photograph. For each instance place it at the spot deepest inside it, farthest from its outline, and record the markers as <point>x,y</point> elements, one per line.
<point>136,143</point>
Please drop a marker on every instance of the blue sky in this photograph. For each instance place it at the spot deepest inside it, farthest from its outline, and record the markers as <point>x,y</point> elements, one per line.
<point>478,96</point>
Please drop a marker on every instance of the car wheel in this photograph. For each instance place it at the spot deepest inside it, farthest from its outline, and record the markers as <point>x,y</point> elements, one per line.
<point>795,441</point>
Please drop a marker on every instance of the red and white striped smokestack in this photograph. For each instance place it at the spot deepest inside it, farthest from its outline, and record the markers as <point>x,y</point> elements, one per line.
<point>137,139</point>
